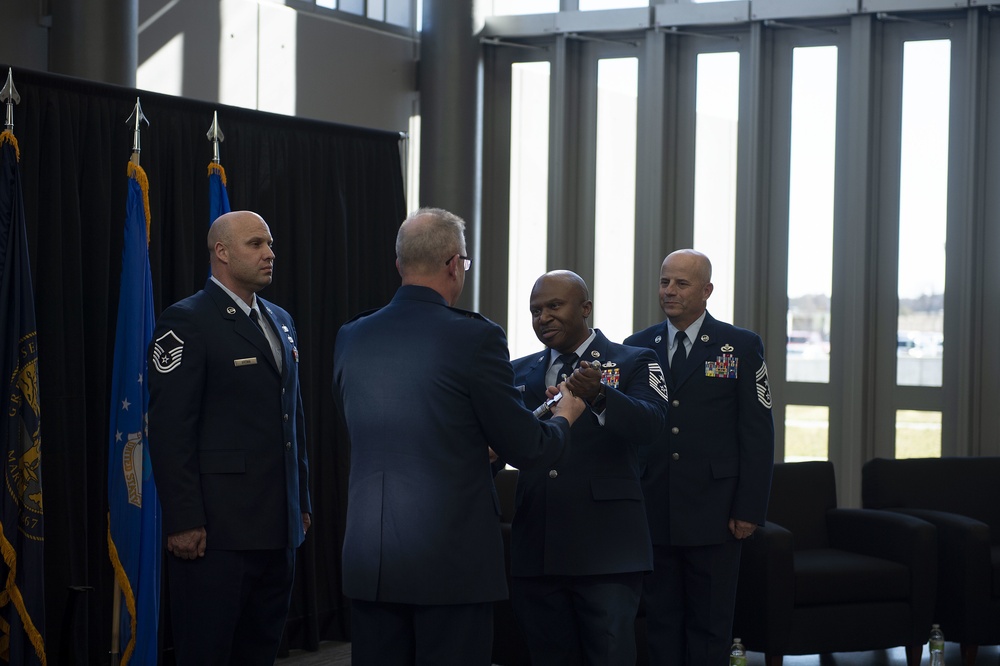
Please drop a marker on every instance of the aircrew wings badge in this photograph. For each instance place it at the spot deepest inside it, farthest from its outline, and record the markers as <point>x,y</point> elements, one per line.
<point>167,351</point>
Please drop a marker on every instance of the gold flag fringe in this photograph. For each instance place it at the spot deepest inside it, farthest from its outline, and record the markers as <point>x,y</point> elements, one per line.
<point>11,590</point>
<point>217,169</point>
<point>7,136</point>
<point>135,171</point>
<point>126,588</point>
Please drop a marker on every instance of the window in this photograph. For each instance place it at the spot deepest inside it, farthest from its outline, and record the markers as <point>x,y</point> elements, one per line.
<point>508,7</point>
<point>717,108</point>
<point>810,213</point>
<point>614,217</point>
<point>923,214</point>
<point>529,181</point>
<point>807,433</point>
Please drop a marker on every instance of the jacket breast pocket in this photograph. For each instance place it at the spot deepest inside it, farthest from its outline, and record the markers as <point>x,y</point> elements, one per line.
<point>616,489</point>
<point>222,462</point>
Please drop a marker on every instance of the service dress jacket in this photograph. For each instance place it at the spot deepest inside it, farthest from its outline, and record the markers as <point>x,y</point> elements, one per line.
<point>586,514</point>
<point>715,457</point>
<point>425,389</point>
<point>226,428</point>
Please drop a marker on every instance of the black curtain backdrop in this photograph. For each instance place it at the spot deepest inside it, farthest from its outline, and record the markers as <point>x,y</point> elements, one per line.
<point>333,197</point>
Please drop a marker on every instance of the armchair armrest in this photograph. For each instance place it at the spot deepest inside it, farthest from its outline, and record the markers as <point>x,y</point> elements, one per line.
<point>964,568</point>
<point>886,534</point>
<point>766,595</point>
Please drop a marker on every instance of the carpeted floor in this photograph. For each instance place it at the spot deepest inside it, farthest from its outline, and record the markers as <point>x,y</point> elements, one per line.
<point>339,654</point>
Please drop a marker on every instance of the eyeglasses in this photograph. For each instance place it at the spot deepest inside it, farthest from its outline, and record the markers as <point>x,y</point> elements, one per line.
<point>467,260</point>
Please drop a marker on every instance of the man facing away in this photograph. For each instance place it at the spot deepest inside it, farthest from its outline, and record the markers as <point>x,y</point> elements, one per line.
<point>579,538</point>
<point>228,447</point>
<point>707,481</point>
<point>427,390</point>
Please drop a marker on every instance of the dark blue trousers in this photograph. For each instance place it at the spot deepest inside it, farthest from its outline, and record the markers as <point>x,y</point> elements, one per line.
<point>689,599</point>
<point>390,634</point>
<point>229,607</point>
<point>569,620</point>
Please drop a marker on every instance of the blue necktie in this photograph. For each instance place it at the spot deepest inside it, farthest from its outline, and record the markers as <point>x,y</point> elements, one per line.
<point>255,318</point>
<point>568,361</point>
<point>680,354</point>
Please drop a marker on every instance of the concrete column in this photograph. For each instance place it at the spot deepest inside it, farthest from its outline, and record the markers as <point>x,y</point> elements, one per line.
<point>449,71</point>
<point>96,40</point>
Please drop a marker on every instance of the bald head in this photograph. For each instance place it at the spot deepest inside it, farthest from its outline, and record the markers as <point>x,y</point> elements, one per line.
<point>696,262</point>
<point>560,306</point>
<point>685,285</point>
<point>571,283</point>
<point>239,244</point>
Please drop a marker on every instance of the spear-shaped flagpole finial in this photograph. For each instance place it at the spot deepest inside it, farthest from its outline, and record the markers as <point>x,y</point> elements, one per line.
<point>9,96</point>
<point>135,120</point>
<point>216,136</point>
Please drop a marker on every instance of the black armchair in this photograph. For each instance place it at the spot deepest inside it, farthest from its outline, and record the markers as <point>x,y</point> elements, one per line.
<point>817,579</point>
<point>961,497</point>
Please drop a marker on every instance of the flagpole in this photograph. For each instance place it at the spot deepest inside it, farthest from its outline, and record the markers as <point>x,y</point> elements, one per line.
<point>135,119</point>
<point>216,136</point>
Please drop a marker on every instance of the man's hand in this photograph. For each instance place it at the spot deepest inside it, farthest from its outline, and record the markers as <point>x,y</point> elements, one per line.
<point>585,381</point>
<point>307,522</point>
<point>187,545</point>
<point>741,529</point>
<point>570,406</point>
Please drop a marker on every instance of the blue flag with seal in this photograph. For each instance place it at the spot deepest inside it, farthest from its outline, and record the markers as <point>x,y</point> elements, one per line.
<point>22,538</point>
<point>133,506</point>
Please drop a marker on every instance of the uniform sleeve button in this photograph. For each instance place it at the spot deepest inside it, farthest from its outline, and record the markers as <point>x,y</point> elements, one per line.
<point>675,456</point>
<point>553,473</point>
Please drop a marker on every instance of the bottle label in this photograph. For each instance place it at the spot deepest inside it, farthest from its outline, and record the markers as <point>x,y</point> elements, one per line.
<point>737,661</point>
<point>937,646</point>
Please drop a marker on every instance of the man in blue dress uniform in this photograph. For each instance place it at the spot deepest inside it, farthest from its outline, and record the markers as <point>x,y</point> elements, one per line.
<point>708,479</point>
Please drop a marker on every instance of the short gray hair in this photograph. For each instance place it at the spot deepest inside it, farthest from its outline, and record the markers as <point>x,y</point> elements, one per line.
<point>427,239</point>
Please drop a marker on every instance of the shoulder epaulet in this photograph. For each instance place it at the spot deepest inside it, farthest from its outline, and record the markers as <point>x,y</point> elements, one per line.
<point>363,314</point>
<point>468,313</point>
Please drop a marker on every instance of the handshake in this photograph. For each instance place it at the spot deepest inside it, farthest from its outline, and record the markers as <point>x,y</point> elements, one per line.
<point>546,407</point>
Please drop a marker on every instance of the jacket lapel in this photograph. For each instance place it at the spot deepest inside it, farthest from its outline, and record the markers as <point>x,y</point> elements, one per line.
<point>241,323</point>
<point>534,380</point>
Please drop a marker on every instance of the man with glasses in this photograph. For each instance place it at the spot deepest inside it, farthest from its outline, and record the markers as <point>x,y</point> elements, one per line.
<point>427,390</point>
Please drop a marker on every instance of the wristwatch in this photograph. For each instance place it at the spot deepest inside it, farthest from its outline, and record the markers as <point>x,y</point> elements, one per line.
<point>598,402</point>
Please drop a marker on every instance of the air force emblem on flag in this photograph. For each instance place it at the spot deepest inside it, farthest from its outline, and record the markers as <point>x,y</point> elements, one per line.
<point>132,454</point>
<point>657,381</point>
<point>167,351</point>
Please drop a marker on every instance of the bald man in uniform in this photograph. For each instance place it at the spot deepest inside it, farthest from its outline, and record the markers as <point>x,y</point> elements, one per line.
<point>707,480</point>
<point>579,539</point>
<point>227,443</point>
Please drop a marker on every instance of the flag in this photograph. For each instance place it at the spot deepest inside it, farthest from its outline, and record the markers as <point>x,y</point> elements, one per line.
<point>133,506</point>
<point>218,198</point>
<point>22,539</point>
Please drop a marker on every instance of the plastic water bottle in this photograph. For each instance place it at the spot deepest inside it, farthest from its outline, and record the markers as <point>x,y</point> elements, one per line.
<point>936,646</point>
<point>738,654</point>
